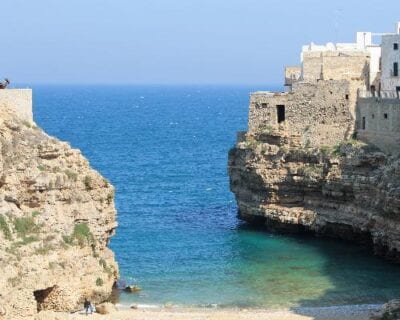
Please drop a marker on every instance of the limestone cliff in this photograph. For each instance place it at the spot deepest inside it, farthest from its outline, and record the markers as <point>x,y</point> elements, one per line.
<point>56,218</point>
<point>350,191</point>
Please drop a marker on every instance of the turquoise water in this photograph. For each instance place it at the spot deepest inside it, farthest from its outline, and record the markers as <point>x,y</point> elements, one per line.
<point>165,149</point>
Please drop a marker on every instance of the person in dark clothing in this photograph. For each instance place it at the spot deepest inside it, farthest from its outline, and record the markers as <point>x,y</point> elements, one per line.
<point>86,305</point>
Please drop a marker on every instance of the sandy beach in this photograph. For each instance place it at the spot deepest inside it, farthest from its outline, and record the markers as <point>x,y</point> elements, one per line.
<point>357,312</point>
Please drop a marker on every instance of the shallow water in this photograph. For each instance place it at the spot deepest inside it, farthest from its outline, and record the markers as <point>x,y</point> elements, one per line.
<point>165,149</point>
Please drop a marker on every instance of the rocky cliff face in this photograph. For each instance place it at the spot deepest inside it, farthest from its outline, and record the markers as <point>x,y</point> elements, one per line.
<point>56,218</point>
<point>350,191</point>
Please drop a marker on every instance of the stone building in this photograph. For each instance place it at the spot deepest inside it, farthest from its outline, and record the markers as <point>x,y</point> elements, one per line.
<point>390,78</point>
<point>338,91</point>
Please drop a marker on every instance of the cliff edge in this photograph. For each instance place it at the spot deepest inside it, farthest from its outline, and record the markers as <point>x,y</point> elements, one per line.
<point>350,190</point>
<point>57,215</point>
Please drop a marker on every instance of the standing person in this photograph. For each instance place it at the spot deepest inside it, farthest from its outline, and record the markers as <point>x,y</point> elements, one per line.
<point>86,305</point>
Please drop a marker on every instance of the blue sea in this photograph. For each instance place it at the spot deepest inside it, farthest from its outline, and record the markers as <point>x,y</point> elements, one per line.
<point>165,150</point>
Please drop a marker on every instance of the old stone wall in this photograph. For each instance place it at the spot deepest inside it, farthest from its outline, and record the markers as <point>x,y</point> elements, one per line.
<point>292,74</point>
<point>18,100</point>
<point>317,113</point>
<point>332,65</point>
<point>378,123</point>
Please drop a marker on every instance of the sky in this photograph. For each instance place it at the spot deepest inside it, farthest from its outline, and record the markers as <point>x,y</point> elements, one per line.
<point>174,42</point>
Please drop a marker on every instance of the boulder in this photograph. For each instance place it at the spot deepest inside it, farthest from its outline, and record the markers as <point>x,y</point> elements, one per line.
<point>105,308</point>
<point>389,311</point>
<point>132,289</point>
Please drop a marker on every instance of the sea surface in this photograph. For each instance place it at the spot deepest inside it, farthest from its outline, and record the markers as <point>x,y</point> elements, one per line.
<point>165,150</point>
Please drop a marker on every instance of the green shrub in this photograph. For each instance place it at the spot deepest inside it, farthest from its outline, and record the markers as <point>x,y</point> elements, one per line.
<point>99,282</point>
<point>103,263</point>
<point>41,168</point>
<point>88,183</point>
<point>68,239</point>
<point>25,226</point>
<point>82,234</point>
<point>4,228</point>
<point>326,150</point>
<point>35,214</point>
<point>71,175</point>
<point>27,240</point>
<point>110,197</point>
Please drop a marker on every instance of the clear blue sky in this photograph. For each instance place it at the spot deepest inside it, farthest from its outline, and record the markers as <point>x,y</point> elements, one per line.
<point>174,41</point>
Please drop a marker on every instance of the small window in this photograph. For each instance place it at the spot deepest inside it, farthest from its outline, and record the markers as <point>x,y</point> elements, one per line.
<point>395,69</point>
<point>347,97</point>
<point>373,116</point>
<point>363,123</point>
<point>264,105</point>
<point>385,115</point>
<point>395,46</point>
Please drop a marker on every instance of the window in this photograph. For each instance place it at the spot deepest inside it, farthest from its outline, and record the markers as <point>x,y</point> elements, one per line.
<point>395,46</point>
<point>385,115</point>
<point>395,69</point>
<point>363,123</point>
<point>264,105</point>
<point>280,110</point>
<point>347,97</point>
<point>373,116</point>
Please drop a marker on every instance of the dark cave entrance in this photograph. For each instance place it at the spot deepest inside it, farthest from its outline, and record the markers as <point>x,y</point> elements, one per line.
<point>41,297</point>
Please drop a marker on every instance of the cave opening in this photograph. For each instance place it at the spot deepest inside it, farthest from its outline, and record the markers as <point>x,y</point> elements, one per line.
<point>41,297</point>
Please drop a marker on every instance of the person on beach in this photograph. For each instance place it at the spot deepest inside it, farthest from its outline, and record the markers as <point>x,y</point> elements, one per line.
<point>87,305</point>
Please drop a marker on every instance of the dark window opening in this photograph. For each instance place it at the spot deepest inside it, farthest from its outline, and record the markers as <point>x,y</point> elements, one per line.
<point>385,115</point>
<point>363,123</point>
<point>395,46</point>
<point>395,69</point>
<point>264,105</point>
<point>373,116</point>
<point>280,110</point>
<point>347,97</point>
<point>373,90</point>
<point>398,92</point>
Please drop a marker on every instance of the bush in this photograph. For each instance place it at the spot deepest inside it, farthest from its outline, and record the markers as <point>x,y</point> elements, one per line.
<point>25,226</point>
<point>110,197</point>
<point>99,282</point>
<point>35,214</point>
<point>28,240</point>
<point>82,234</point>
<point>71,175</point>
<point>4,228</point>
<point>88,183</point>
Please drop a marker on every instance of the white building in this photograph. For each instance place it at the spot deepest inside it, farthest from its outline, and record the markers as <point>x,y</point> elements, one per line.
<point>390,76</point>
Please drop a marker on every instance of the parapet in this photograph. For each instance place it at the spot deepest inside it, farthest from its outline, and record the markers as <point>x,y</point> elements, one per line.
<point>18,100</point>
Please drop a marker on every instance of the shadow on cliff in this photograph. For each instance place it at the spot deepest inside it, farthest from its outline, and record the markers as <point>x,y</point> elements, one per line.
<point>343,274</point>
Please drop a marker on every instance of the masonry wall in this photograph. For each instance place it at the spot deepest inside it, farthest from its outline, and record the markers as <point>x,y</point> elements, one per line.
<point>292,74</point>
<point>332,65</point>
<point>19,100</point>
<point>380,130</point>
<point>317,113</point>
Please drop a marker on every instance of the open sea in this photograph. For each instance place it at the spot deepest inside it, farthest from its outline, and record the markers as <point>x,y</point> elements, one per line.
<point>165,150</point>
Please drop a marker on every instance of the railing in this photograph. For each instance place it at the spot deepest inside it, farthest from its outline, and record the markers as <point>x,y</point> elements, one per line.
<point>384,94</point>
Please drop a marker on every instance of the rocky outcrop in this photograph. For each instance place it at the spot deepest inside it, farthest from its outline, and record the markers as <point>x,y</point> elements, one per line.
<point>56,218</point>
<point>349,191</point>
<point>390,311</point>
